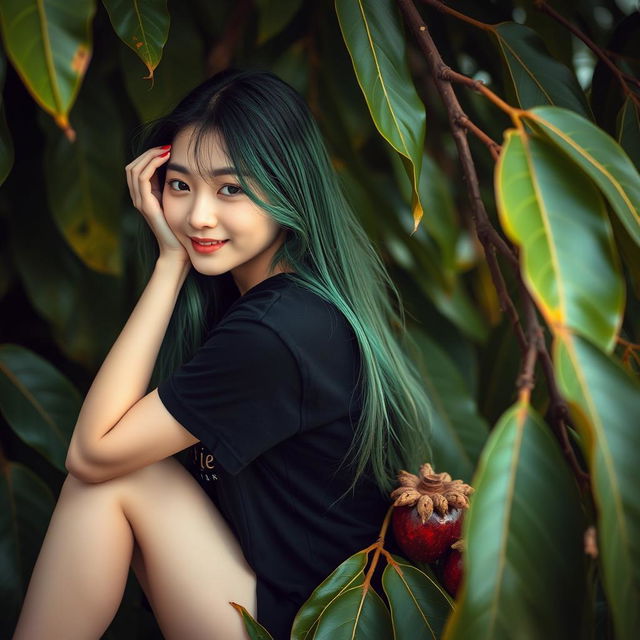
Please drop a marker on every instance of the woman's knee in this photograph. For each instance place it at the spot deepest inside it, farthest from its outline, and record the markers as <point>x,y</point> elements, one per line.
<point>191,559</point>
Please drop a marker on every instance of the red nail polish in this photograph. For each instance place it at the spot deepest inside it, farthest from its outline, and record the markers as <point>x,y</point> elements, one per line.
<point>162,155</point>
<point>166,146</point>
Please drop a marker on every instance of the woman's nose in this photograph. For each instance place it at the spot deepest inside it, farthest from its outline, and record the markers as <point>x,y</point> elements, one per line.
<point>203,213</point>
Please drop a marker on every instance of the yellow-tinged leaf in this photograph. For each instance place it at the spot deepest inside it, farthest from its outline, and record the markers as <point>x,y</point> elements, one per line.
<point>143,26</point>
<point>49,44</point>
<point>555,213</point>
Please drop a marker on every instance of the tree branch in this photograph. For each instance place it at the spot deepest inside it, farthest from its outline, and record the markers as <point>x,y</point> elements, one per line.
<point>532,344</point>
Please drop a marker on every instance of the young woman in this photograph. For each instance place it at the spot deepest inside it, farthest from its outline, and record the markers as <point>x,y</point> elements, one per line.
<point>278,372</point>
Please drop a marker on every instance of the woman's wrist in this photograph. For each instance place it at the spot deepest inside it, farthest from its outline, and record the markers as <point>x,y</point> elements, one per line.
<point>169,265</point>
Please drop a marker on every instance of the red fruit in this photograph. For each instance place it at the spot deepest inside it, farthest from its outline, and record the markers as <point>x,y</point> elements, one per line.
<point>425,542</point>
<point>451,571</point>
<point>427,518</point>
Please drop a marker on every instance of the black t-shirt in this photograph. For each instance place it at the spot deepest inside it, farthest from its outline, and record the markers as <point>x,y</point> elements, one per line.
<point>273,396</point>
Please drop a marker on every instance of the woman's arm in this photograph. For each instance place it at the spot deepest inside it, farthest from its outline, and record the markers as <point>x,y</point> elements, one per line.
<point>124,376</point>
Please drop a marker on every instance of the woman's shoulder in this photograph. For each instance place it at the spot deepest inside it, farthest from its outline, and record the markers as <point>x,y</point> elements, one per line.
<point>297,314</point>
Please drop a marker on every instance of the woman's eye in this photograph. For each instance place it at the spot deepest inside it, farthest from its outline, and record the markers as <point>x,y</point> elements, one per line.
<point>180,182</point>
<point>234,187</point>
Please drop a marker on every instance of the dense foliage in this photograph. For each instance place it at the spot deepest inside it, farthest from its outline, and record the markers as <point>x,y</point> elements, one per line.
<point>492,152</point>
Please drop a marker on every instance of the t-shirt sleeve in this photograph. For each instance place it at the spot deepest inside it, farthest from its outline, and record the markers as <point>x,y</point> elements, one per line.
<point>239,395</point>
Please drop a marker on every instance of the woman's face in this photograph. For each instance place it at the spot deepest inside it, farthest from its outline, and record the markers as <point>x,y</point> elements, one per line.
<point>217,209</point>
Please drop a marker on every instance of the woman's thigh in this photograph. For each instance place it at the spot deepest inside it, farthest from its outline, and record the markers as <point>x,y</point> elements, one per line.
<point>187,559</point>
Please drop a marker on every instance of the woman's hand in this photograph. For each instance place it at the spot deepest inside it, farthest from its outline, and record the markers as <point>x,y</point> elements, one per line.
<point>146,194</point>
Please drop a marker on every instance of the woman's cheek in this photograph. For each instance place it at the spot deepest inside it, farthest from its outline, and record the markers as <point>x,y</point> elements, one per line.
<point>171,218</point>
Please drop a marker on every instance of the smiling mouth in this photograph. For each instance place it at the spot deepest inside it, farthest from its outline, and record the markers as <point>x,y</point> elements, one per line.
<point>207,247</point>
<point>207,243</point>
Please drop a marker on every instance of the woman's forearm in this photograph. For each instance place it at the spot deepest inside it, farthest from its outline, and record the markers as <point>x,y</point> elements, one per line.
<point>124,375</point>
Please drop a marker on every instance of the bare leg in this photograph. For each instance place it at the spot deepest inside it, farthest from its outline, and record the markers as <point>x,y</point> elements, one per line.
<point>187,560</point>
<point>79,577</point>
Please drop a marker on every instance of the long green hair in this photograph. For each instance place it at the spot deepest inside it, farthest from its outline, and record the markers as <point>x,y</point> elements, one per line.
<point>271,136</point>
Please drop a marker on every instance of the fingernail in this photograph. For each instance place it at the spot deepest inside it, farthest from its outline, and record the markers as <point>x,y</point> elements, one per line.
<point>162,155</point>
<point>166,146</point>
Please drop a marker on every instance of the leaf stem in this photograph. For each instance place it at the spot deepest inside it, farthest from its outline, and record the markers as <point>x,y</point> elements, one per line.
<point>378,546</point>
<point>450,75</point>
<point>494,148</point>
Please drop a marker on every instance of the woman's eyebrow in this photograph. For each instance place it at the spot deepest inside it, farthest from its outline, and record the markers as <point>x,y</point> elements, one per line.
<point>223,171</point>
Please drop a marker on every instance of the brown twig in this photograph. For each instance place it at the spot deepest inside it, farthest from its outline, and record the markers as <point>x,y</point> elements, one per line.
<point>526,380</point>
<point>494,147</point>
<point>541,5</point>
<point>463,120</point>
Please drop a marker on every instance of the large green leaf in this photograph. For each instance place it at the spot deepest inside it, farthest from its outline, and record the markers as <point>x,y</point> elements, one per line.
<point>419,605</point>
<point>49,44</point>
<point>373,35</point>
<point>605,404</point>
<point>38,402</point>
<point>628,129</point>
<point>26,504</point>
<point>458,431</point>
<point>143,25</point>
<point>537,77</point>
<point>599,155</point>
<point>355,614</point>
<point>85,179</point>
<point>525,569</point>
<point>348,574</point>
<point>550,208</point>
<point>181,70</point>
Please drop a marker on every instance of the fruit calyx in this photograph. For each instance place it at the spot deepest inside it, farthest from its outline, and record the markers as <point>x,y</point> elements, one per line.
<point>430,491</point>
